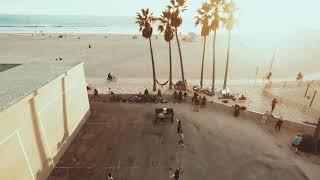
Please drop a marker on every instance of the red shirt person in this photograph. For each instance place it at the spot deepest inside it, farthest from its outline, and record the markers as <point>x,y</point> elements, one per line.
<point>273,104</point>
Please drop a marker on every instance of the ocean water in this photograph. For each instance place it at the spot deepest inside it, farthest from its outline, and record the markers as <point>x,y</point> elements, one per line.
<point>69,24</point>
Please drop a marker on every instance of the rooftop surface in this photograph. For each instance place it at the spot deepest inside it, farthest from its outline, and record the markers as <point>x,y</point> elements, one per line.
<point>217,146</point>
<point>19,82</point>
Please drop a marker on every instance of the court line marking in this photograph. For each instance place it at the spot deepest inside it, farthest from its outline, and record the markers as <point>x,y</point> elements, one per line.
<point>98,123</point>
<point>8,137</point>
<point>25,154</point>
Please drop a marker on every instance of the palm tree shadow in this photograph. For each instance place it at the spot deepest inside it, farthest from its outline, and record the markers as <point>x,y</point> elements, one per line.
<point>65,116</point>
<point>37,134</point>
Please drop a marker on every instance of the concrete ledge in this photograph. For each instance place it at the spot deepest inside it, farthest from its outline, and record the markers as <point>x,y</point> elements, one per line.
<point>250,115</point>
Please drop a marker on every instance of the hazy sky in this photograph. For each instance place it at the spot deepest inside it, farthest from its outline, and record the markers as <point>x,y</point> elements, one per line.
<point>257,15</point>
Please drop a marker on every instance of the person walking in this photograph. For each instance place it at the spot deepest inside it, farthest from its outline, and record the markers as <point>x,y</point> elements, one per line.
<point>273,104</point>
<point>279,124</point>
<point>195,96</point>
<point>109,177</point>
<point>296,142</point>
<point>181,138</point>
<point>197,102</point>
<point>179,127</point>
<point>180,96</point>
<point>176,174</point>
<point>265,117</point>
<point>159,93</point>
<point>96,93</point>
<point>203,101</point>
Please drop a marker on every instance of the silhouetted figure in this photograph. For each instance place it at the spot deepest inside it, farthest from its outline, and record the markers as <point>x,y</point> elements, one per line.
<point>175,96</point>
<point>176,174</point>
<point>269,75</point>
<point>180,97</point>
<point>96,93</point>
<point>195,96</point>
<point>236,110</point>
<point>181,138</point>
<point>60,58</point>
<point>146,92</point>
<point>89,46</point>
<point>109,76</point>
<point>159,93</point>
<point>185,94</point>
<point>279,124</point>
<point>300,76</point>
<point>273,104</point>
<point>109,177</point>
<point>179,127</point>
<point>203,101</point>
<point>265,117</point>
<point>242,97</point>
<point>197,103</point>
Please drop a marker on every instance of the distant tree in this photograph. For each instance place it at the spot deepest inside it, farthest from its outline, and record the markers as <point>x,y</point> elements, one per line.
<point>178,6</point>
<point>144,21</point>
<point>168,30</point>
<point>202,18</point>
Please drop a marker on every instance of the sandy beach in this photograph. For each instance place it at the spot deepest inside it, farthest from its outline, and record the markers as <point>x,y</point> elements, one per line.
<point>129,60</point>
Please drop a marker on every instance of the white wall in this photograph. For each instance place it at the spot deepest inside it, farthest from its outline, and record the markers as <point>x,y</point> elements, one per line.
<point>35,131</point>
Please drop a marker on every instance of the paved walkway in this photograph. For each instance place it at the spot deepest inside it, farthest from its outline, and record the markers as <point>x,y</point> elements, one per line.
<point>121,138</point>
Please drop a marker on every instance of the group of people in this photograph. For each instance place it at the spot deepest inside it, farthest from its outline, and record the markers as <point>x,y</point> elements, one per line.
<point>178,97</point>
<point>59,58</point>
<point>279,123</point>
<point>176,174</point>
<point>196,99</point>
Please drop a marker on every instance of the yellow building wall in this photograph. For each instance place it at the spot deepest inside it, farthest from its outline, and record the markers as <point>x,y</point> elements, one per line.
<point>35,132</point>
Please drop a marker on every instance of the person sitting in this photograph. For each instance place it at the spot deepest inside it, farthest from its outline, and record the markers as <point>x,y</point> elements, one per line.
<point>203,101</point>
<point>109,76</point>
<point>185,94</point>
<point>269,75</point>
<point>146,92</point>
<point>300,76</point>
<point>242,97</point>
<point>236,110</point>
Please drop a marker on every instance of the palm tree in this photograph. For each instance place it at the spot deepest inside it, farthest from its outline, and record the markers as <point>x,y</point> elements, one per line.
<point>228,22</point>
<point>216,6</point>
<point>203,19</point>
<point>178,6</point>
<point>145,20</point>
<point>165,26</point>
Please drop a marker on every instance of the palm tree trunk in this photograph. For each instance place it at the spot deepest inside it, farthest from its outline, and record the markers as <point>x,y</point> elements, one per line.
<point>153,68</point>
<point>202,63</point>
<point>180,55</point>
<point>214,61</point>
<point>170,61</point>
<point>227,64</point>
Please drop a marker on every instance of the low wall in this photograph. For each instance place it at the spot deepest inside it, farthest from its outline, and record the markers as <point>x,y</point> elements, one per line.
<point>249,115</point>
<point>35,132</point>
